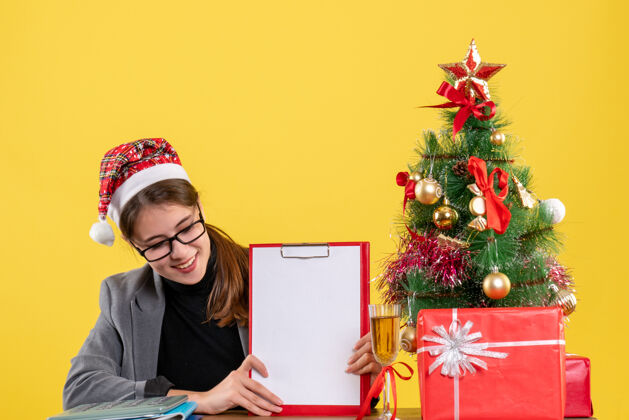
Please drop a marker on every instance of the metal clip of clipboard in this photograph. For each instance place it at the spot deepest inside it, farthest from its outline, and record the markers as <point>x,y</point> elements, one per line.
<point>302,245</point>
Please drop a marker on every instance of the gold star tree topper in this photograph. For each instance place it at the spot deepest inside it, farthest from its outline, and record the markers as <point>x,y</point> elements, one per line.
<point>471,74</point>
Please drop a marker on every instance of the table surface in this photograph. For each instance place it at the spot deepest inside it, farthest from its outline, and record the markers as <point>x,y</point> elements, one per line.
<point>402,414</point>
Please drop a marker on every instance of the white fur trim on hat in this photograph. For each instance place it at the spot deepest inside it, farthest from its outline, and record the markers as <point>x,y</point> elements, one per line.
<point>140,180</point>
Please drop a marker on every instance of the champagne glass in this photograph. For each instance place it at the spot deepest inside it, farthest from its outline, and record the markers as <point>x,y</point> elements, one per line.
<point>385,340</point>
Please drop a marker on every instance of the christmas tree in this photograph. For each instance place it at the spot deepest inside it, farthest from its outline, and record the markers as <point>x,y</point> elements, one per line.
<point>472,233</point>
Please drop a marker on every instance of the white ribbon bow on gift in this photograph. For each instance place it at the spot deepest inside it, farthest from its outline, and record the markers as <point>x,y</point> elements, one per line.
<point>456,350</point>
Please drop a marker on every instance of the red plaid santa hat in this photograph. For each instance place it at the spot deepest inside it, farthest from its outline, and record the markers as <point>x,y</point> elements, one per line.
<point>126,170</point>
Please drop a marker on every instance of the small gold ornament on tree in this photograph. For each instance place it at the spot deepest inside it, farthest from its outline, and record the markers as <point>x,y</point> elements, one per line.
<point>478,208</point>
<point>526,198</point>
<point>566,300</point>
<point>477,204</point>
<point>444,216</point>
<point>415,176</point>
<point>496,285</point>
<point>497,138</point>
<point>408,342</point>
<point>479,223</point>
<point>428,191</point>
<point>444,240</point>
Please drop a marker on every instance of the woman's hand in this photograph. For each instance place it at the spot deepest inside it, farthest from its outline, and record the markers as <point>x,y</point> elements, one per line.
<point>363,361</point>
<point>237,389</point>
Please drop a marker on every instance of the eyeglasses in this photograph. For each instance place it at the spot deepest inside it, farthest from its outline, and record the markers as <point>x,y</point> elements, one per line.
<point>163,248</point>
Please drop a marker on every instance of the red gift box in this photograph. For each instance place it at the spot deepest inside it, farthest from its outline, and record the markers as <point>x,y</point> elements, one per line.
<point>578,399</point>
<point>491,363</point>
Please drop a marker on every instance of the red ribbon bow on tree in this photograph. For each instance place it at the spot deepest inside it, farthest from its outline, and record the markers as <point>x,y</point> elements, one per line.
<point>403,180</point>
<point>468,107</point>
<point>498,215</point>
<point>378,384</point>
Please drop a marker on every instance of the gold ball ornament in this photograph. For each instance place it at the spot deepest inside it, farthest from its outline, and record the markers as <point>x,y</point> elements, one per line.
<point>445,217</point>
<point>428,191</point>
<point>408,341</point>
<point>477,206</point>
<point>567,301</point>
<point>496,285</point>
<point>415,176</point>
<point>497,138</point>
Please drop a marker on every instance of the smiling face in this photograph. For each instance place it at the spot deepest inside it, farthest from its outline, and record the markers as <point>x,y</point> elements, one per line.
<point>186,264</point>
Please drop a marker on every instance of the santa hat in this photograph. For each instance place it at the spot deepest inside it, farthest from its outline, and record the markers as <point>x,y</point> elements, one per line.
<point>126,170</point>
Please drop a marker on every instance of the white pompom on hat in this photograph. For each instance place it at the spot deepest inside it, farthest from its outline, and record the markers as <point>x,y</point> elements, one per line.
<point>124,171</point>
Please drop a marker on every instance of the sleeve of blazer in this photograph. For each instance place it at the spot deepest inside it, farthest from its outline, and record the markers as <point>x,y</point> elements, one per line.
<point>95,372</point>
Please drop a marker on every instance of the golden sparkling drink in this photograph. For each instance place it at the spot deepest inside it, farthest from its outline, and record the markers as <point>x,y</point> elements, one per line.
<point>385,338</point>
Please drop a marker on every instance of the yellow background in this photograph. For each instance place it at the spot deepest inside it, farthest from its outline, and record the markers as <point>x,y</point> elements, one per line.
<point>292,118</point>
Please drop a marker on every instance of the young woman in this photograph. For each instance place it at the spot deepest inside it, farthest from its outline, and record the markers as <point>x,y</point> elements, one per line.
<point>178,325</point>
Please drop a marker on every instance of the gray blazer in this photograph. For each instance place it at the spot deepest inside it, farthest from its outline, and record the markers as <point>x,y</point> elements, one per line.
<point>120,353</point>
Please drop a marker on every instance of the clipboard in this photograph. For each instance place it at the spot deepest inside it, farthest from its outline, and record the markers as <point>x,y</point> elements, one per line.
<point>307,308</point>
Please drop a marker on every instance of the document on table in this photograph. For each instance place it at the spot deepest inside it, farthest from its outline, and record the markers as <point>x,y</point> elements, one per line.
<point>308,307</point>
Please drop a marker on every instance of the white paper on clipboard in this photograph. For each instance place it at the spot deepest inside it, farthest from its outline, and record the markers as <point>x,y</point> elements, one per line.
<point>305,319</point>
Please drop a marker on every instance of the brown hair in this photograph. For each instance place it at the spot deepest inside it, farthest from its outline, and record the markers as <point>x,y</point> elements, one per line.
<point>228,300</point>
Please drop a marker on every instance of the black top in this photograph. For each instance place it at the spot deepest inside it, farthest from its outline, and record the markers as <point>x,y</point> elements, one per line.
<point>194,355</point>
